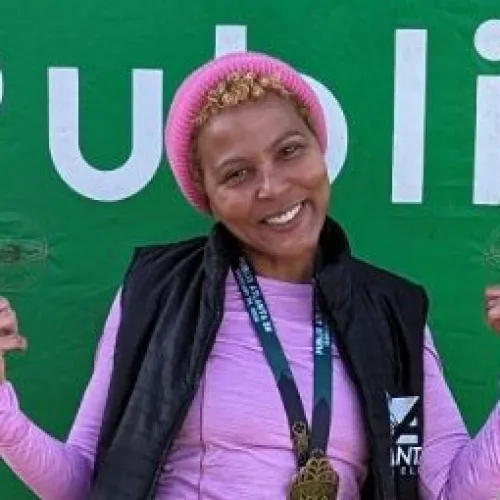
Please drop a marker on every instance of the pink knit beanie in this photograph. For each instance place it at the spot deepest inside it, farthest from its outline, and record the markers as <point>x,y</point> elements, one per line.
<point>190,97</point>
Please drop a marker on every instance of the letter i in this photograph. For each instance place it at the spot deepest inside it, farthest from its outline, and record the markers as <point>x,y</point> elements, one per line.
<point>487,140</point>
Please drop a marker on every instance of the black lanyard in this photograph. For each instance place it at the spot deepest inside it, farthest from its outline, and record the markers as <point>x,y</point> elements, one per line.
<point>308,441</point>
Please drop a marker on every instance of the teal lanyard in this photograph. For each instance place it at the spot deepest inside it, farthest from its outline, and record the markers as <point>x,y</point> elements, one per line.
<point>309,441</point>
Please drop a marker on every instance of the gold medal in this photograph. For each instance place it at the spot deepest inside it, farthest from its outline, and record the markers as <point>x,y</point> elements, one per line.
<point>317,480</point>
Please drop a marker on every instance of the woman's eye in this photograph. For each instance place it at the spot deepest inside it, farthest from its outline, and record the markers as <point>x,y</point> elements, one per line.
<point>236,176</point>
<point>291,150</point>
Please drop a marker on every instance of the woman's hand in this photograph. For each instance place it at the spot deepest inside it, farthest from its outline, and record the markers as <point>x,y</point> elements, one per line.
<point>492,307</point>
<point>10,340</point>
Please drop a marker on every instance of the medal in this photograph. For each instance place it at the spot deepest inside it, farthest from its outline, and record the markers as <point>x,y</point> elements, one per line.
<point>315,478</point>
<point>315,481</point>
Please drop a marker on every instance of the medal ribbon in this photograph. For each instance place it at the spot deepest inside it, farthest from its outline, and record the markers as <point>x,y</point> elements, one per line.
<point>308,440</point>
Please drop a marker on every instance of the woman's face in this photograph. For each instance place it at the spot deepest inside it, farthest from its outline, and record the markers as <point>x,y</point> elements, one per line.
<point>265,177</point>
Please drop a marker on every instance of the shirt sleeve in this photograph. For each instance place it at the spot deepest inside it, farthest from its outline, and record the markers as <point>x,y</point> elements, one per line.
<point>453,466</point>
<point>52,469</point>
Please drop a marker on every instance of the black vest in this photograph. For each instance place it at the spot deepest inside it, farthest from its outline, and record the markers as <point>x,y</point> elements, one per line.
<point>172,306</point>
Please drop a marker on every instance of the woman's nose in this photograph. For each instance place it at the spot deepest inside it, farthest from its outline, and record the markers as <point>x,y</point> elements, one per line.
<point>272,183</point>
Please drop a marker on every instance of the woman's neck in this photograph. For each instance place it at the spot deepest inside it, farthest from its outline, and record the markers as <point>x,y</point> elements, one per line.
<point>293,270</point>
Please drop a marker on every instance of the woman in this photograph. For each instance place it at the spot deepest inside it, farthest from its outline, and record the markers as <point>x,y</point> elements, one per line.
<point>263,361</point>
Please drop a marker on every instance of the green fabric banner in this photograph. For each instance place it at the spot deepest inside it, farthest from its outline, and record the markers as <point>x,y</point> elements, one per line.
<point>412,95</point>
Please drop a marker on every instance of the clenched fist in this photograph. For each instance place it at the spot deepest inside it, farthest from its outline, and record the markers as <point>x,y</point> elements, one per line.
<point>10,340</point>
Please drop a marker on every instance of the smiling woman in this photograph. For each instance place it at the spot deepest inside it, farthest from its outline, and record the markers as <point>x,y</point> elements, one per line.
<point>263,360</point>
<point>265,179</point>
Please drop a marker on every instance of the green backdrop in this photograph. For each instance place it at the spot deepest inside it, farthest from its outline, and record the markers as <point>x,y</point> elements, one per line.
<point>62,254</point>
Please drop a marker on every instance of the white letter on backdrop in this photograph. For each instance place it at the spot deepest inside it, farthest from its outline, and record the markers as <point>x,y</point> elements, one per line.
<point>409,116</point>
<point>64,138</point>
<point>1,87</point>
<point>487,143</point>
<point>230,38</point>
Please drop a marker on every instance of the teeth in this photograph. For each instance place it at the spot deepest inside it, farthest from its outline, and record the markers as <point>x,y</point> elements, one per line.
<point>285,217</point>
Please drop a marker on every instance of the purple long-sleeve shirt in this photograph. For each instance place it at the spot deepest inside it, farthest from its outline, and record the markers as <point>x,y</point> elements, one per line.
<point>235,441</point>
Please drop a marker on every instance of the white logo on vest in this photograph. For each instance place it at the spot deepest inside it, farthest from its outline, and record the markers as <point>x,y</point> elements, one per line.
<point>406,449</point>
